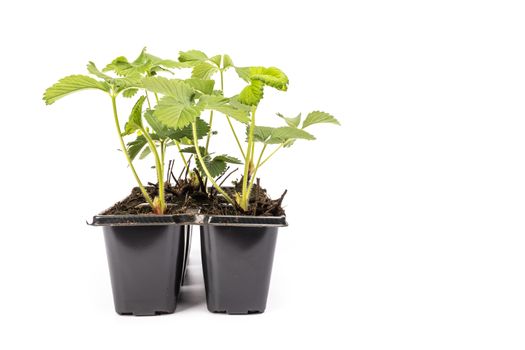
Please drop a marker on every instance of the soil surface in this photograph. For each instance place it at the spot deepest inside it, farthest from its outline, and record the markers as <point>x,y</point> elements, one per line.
<point>185,199</point>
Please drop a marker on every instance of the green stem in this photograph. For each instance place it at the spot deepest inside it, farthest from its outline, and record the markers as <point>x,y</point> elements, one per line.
<point>252,179</point>
<point>205,168</point>
<point>229,120</point>
<point>182,155</point>
<point>247,162</point>
<point>236,138</point>
<point>209,132</point>
<point>147,99</point>
<point>159,167</point>
<point>125,151</point>
<point>208,137</point>
<point>271,154</point>
<point>253,150</point>
<point>162,152</point>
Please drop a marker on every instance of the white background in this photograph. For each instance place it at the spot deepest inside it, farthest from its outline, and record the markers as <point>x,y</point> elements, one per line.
<point>406,223</point>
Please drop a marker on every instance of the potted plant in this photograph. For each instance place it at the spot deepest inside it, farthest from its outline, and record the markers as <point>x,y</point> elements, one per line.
<point>240,223</point>
<point>147,236</point>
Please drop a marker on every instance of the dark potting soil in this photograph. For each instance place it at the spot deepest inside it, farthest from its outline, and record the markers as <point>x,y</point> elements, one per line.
<point>183,199</point>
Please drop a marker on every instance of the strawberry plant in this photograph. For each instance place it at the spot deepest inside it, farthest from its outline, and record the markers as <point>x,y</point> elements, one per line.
<point>242,108</point>
<point>127,80</point>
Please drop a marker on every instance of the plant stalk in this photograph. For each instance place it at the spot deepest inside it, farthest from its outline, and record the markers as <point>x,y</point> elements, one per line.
<point>205,168</point>
<point>247,162</point>
<point>236,138</point>
<point>125,151</point>
<point>162,151</point>
<point>209,132</point>
<point>186,165</point>
<point>252,179</point>
<point>211,114</point>
<point>271,154</point>
<point>159,165</point>
<point>147,98</point>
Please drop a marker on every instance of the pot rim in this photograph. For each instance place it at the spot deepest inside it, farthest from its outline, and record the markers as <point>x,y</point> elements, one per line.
<point>243,220</point>
<point>189,219</point>
<point>141,220</point>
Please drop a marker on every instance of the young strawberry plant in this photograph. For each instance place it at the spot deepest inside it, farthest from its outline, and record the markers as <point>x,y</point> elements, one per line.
<point>182,102</point>
<point>128,82</point>
<point>243,108</point>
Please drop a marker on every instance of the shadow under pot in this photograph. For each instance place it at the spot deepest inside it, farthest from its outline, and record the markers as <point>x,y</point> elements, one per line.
<point>237,258</point>
<point>146,263</point>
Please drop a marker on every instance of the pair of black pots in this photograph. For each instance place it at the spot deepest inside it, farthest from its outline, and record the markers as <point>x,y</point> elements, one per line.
<point>148,256</point>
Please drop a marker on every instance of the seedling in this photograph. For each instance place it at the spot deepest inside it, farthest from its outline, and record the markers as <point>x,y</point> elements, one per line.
<point>179,108</point>
<point>128,82</point>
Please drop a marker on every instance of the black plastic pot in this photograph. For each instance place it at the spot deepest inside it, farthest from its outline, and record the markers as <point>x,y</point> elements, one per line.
<point>146,258</point>
<point>237,258</point>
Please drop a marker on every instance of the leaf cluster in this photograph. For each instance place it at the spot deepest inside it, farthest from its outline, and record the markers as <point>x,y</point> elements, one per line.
<point>169,110</point>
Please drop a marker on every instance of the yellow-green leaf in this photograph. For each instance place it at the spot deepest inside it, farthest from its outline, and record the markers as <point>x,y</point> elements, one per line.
<point>317,117</point>
<point>70,84</point>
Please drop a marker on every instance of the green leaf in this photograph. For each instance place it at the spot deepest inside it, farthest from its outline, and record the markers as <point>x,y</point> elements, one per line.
<point>227,62</point>
<point>71,84</point>
<point>123,68</point>
<point>252,94</point>
<point>187,131</point>
<point>192,55</point>
<point>271,76</point>
<point>135,118</point>
<point>145,153</point>
<point>212,101</point>
<point>130,92</point>
<point>160,129</point>
<point>203,85</point>
<point>176,114</point>
<point>215,166</point>
<point>166,63</point>
<point>234,101</point>
<point>176,109</point>
<point>156,69</point>
<point>283,134</point>
<point>261,133</point>
<point>176,88</point>
<point>203,70</point>
<point>238,114</point>
<point>243,73</point>
<point>221,104</point>
<point>192,149</point>
<point>122,84</point>
<point>135,146</point>
<point>217,60</point>
<point>145,63</point>
<point>92,68</point>
<point>294,122</point>
<point>317,117</point>
<point>228,159</point>
<point>142,58</point>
